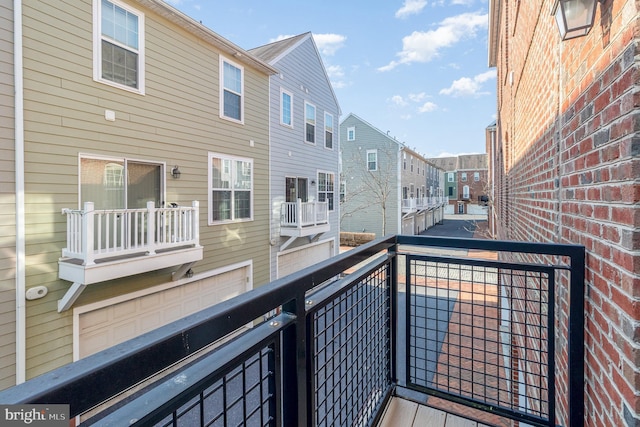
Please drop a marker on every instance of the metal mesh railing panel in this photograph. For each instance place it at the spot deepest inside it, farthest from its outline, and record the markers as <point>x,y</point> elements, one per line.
<point>352,353</point>
<point>242,397</point>
<point>480,331</point>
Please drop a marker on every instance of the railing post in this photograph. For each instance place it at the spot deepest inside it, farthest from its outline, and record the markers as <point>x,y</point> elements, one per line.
<point>87,234</point>
<point>299,214</point>
<point>196,222</point>
<point>151,227</point>
<point>576,338</point>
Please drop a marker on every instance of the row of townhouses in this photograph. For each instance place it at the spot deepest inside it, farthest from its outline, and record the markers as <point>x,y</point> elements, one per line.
<point>466,183</point>
<point>152,168</point>
<point>386,187</point>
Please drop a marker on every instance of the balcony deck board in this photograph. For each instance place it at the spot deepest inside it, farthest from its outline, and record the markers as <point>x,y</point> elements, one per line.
<point>404,413</point>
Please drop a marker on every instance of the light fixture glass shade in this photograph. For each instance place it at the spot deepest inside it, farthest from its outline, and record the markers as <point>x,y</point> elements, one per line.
<point>575,17</point>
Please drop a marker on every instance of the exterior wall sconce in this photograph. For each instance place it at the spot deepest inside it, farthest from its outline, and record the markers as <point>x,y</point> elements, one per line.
<point>313,182</point>
<point>175,172</point>
<point>575,17</point>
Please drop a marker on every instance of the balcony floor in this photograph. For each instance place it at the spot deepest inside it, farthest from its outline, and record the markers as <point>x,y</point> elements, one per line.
<point>404,413</point>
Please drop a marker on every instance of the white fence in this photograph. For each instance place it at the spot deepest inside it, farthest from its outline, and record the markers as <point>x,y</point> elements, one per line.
<point>303,214</point>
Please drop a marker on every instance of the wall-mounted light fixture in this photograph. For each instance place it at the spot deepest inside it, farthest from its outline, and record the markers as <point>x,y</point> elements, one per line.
<point>575,17</point>
<point>313,182</point>
<point>175,172</point>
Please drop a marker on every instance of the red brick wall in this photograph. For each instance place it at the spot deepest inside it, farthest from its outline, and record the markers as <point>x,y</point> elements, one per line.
<point>568,171</point>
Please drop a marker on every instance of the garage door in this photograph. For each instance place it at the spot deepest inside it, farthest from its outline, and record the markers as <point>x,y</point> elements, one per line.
<point>298,258</point>
<point>107,326</point>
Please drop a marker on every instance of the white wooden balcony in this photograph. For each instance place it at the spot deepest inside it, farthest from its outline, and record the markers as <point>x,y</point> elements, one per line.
<point>422,203</point>
<point>108,244</point>
<point>301,219</point>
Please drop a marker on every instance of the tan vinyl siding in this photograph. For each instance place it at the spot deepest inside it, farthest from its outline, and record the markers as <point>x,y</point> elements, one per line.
<point>176,122</point>
<point>7,203</point>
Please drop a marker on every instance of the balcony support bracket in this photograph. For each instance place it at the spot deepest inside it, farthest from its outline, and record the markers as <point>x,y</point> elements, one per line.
<point>287,243</point>
<point>71,296</point>
<point>182,271</point>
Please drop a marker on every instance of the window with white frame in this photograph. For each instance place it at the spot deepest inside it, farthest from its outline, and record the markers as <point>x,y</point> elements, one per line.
<point>463,177</point>
<point>372,160</point>
<point>476,176</point>
<point>230,188</point>
<point>450,177</point>
<point>351,133</point>
<point>118,52</point>
<point>286,108</point>
<point>328,130</point>
<point>231,90</point>
<point>310,123</point>
<point>343,190</point>
<point>326,185</point>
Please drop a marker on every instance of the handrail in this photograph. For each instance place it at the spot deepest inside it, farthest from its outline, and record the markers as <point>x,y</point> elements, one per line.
<point>301,214</point>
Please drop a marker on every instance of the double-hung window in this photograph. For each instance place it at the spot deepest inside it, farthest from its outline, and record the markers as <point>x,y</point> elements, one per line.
<point>476,176</point>
<point>310,123</point>
<point>372,160</point>
<point>450,176</point>
<point>464,177</point>
<point>118,52</point>
<point>230,188</point>
<point>231,90</point>
<point>286,108</point>
<point>326,185</point>
<point>328,130</point>
<point>351,133</point>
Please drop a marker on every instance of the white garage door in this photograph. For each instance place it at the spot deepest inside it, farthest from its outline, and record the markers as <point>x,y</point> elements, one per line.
<point>298,258</point>
<point>110,325</point>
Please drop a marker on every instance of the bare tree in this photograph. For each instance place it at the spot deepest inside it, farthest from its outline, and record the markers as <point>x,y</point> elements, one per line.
<point>366,188</point>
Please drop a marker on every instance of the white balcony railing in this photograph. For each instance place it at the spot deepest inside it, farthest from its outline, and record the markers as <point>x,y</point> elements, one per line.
<point>301,214</point>
<point>415,204</point>
<point>97,234</point>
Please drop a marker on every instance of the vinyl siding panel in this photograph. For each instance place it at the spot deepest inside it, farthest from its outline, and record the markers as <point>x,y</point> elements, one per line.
<point>176,122</point>
<point>362,211</point>
<point>7,203</point>
<point>302,75</point>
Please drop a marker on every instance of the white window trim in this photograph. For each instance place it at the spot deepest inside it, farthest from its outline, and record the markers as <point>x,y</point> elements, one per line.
<point>315,123</point>
<point>333,131</point>
<point>283,91</point>
<point>97,47</point>
<point>463,177</point>
<point>334,187</point>
<point>221,96</point>
<point>367,160</point>
<point>210,220</point>
<point>450,177</point>
<point>351,129</point>
<point>476,176</point>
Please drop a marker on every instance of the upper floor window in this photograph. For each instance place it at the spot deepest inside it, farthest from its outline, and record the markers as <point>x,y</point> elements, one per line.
<point>372,160</point>
<point>343,190</point>
<point>476,176</point>
<point>286,110</point>
<point>231,90</point>
<point>118,52</point>
<point>230,188</point>
<point>411,160</point>
<point>351,133</point>
<point>310,123</point>
<point>326,185</point>
<point>463,177</point>
<point>328,130</point>
<point>450,177</point>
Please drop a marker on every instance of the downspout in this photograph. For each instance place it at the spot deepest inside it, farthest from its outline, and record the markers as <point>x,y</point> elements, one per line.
<point>493,181</point>
<point>20,203</point>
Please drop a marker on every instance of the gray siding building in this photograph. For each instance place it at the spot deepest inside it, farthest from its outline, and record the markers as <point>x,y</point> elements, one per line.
<point>384,184</point>
<point>304,153</point>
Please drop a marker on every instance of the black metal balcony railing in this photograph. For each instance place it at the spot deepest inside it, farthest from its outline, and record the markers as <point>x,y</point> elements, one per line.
<point>390,317</point>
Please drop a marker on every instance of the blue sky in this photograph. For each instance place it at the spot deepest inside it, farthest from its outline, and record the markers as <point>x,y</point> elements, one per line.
<point>415,68</point>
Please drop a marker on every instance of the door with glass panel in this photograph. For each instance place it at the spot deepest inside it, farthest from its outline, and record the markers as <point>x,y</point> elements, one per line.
<point>295,188</point>
<point>120,187</point>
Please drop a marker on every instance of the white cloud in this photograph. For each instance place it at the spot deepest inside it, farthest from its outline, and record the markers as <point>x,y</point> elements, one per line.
<point>336,76</point>
<point>411,7</point>
<point>467,86</point>
<point>398,100</point>
<point>462,2</point>
<point>328,44</point>
<point>428,107</point>
<point>424,46</point>
<point>417,97</point>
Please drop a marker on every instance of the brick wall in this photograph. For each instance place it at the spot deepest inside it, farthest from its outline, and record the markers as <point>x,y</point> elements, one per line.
<point>568,170</point>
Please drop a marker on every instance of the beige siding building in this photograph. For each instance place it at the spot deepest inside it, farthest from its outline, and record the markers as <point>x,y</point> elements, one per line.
<point>146,149</point>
